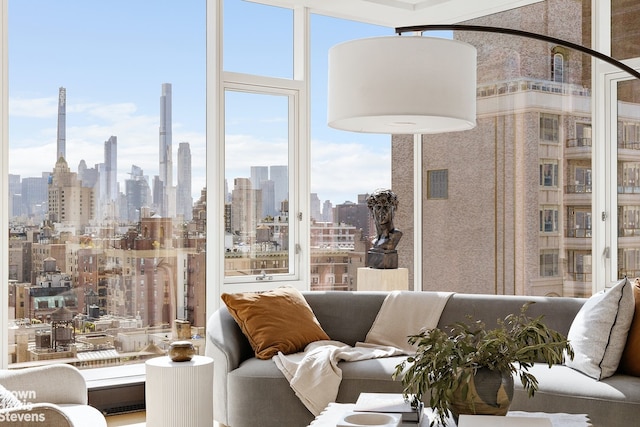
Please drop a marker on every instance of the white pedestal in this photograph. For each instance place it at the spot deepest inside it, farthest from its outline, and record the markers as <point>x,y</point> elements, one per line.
<point>374,279</point>
<point>179,393</point>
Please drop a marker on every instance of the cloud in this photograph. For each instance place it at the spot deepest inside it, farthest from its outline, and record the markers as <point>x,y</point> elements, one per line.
<point>33,107</point>
<point>339,170</point>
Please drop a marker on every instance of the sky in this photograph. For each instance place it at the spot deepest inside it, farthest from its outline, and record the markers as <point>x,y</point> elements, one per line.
<point>112,58</point>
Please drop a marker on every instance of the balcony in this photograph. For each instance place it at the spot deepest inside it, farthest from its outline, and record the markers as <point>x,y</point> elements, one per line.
<point>628,151</point>
<point>578,148</point>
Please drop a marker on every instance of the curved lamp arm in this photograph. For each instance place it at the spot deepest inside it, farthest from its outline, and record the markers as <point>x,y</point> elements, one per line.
<point>499,30</point>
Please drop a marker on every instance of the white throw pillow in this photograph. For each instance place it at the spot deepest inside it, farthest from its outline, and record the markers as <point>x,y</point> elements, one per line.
<point>599,331</point>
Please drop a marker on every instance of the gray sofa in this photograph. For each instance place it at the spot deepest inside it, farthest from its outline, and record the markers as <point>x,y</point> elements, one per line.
<point>249,392</point>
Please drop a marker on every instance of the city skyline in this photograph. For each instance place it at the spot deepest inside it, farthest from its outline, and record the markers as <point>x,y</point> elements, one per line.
<point>101,103</point>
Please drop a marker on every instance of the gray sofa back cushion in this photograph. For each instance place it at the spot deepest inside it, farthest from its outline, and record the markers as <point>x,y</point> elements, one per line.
<point>348,316</point>
<point>558,312</point>
<point>345,316</point>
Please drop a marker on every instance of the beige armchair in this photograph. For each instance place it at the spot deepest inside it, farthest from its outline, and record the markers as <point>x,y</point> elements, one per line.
<point>53,395</point>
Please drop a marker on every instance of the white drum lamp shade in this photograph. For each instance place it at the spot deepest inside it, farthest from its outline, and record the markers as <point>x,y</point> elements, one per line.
<point>402,85</point>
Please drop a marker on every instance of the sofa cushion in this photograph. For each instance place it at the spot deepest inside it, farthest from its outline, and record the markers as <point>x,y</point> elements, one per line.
<point>599,331</point>
<point>630,361</point>
<point>613,401</point>
<point>255,379</point>
<point>275,320</point>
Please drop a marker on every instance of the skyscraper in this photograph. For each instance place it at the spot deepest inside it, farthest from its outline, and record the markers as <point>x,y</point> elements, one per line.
<point>68,202</point>
<point>279,174</point>
<point>184,201</point>
<point>111,168</point>
<point>166,160</point>
<point>137,193</point>
<point>61,148</point>
<point>259,174</point>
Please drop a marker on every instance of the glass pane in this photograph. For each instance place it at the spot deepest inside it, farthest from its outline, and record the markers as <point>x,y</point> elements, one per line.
<point>345,168</point>
<point>518,180</point>
<point>257,238</point>
<point>628,177</point>
<point>258,39</point>
<point>107,165</point>
<point>625,15</point>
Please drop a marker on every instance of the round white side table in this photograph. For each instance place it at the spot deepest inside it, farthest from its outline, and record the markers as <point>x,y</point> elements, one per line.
<point>179,393</point>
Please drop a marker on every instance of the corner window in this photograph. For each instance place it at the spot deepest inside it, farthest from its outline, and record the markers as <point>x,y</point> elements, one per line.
<point>114,180</point>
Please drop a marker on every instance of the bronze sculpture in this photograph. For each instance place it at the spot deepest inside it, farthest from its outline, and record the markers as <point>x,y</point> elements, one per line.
<point>383,253</point>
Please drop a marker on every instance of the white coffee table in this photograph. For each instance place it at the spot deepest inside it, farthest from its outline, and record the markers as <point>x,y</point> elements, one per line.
<point>332,414</point>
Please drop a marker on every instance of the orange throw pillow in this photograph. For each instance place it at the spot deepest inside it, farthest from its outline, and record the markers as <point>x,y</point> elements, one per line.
<point>276,320</point>
<point>630,360</point>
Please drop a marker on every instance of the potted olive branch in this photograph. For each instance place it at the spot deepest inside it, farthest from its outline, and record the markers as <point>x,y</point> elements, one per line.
<point>446,362</point>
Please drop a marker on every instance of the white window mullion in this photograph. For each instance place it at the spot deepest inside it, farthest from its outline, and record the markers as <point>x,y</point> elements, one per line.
<point>302,147</point>
<point>600,154</point>
<point>4,188</point>
<point>215,156</point>
<point>417,212</point>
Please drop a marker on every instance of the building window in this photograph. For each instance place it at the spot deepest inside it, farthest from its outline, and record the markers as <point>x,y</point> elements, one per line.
<point>549,174</point>
<point>557,68</point>
<point>579,264</point>
<point>549,263</point>
<point>438,184</point>
<point>628,221</point>
<point>579,222</point>
<point>549,127</point>
<point>581,180</point>
<point>583,135</point>
<point>549,219</point>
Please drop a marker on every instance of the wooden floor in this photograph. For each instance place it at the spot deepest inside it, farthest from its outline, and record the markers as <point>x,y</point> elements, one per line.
<point>133,419</point>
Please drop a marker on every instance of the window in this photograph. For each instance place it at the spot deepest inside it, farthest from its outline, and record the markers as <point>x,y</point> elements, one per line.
<point>581,180</point>
<point>549,174</point>
<point>257,175</point>
<point>580,266</point>
<point>583,135</point>
<point>549,263</point>
<point>437,184</point>
<point>578,222</point>
<point>549,127</point>
<point>549,219</point>
<point>557,68</point>
<point>262,61</point>
<point>106,193</point>
<point>630,136</point>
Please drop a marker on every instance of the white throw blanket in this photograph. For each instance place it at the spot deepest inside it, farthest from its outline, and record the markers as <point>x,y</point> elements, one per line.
<point>314,374</point>
<point>406,313</point>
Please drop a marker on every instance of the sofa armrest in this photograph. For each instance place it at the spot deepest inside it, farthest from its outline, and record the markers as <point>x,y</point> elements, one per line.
<point>225,341</point>
<point>228,347</point>
<point>62,384</point>
<point>44,414</point>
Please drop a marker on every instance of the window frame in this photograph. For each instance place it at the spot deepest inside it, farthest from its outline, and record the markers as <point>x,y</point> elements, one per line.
<point>438,184</point>
<point>291,89</point>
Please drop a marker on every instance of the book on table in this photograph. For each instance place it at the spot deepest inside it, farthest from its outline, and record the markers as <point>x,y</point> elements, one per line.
<point>500,421</point>
<point>390,403</point>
